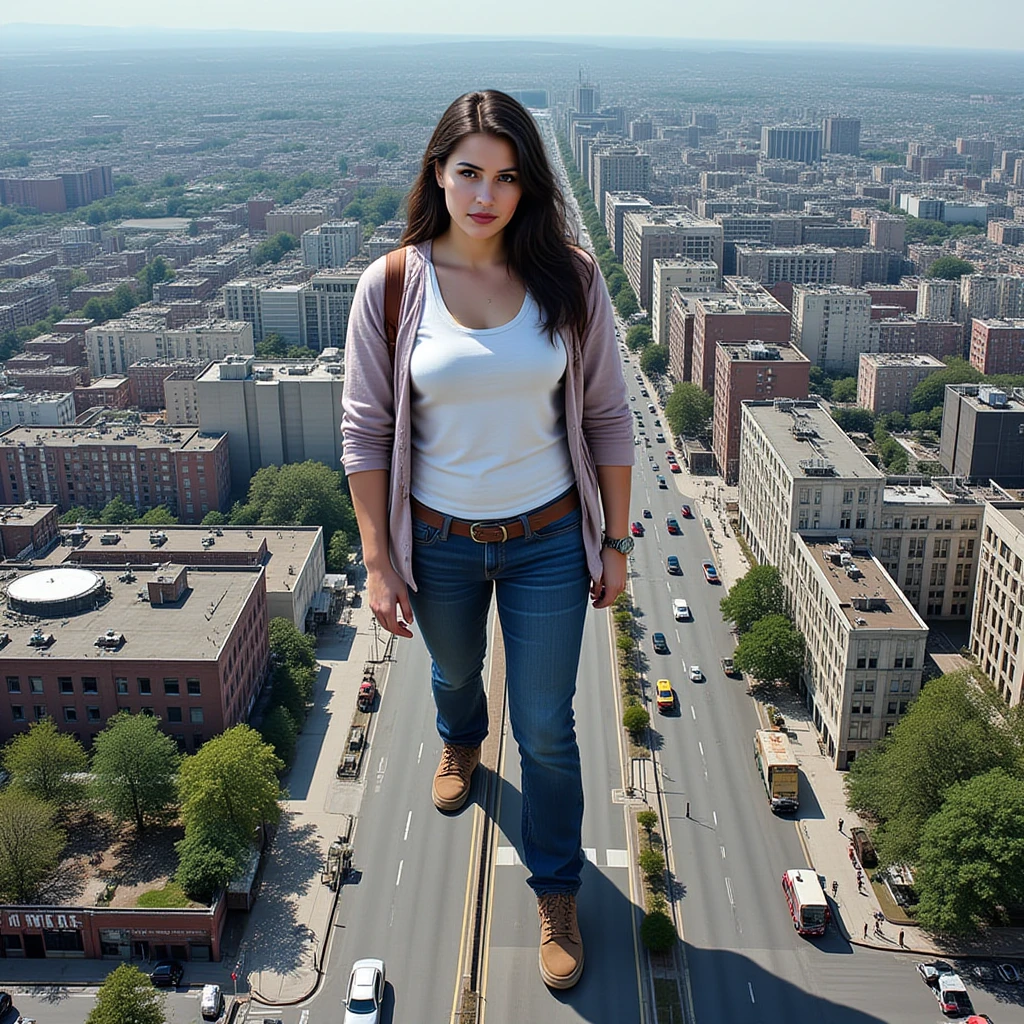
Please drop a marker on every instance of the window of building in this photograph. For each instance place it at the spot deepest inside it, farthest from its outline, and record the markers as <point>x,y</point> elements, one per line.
<point>18,712</point>
<point>145,687</point>
<point>907,685</point>
<point>65,685</point>
<point>39,712</point>
<point>904,704</point>
<point>892,707</point>
<point>173,714</point>
<point>121,685</point>
<point>92,713</point>
<point>147,710</point>
<point>35,684</point>
<point>854,731</point>
<point>940,549</point>
<point>867,708</point>
<point>855,708</point>
<point>862,520</point>
<point>844,519</point>
<point>90,684</point>
<point>869,686</point>
<point>193,687</point>
<point>172,687</point>
<point>195,716</point>
<point>817,495</point>
<point>14,684</point>
<point>70,713</point>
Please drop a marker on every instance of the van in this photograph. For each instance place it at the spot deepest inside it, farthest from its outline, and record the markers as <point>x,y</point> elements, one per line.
<point>952,996</point>
<point>863,847</point>
<point>211,1002</point>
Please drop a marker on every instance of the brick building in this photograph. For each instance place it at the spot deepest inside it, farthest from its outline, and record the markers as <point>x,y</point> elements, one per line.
<point>886,380</point>
<point>147,378</point>
<point>110,392</point>
<point>27,531</point>
<point>997,346</point>
<point>938,338</point>
<point>63,379</point>
<point>63,349</point>
<point>146,466</point>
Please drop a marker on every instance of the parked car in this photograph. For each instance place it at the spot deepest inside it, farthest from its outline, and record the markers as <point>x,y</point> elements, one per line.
<point>984,972</point>
<point>365,992</point>
<point>211,1002</point>
<point>670,455</point>
<point>674,467</point>
<point>729,667</point>
<point>636,528</point>
<point>666,699</point>
<point>863,847</point>
<point>1008,973</point>
<point>680,609</point>
<point>951,993</point>
<point>660,643</point>
<point>710,572</point>
<point>931,972</point>
<point>673,566</point>
<point>673,524</point>
<point>687,514</point>
<point>167,972</point>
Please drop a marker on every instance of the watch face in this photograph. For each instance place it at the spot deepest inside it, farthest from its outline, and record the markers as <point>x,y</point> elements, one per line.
<point>624,545</point>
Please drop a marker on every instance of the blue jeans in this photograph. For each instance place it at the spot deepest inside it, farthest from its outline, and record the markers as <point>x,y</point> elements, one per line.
<point>542,586</point>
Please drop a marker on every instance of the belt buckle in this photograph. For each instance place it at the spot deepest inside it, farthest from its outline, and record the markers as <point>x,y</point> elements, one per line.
<point>493,526</point>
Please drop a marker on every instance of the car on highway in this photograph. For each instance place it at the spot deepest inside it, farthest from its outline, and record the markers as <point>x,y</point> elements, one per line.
<point>647,514</point>
<point>662,485</point>
<point>660,643</point>
<point>673,524</point>
<point>931,972</point>
<point>665,699</point>
<point>650,405</point>
<point>632,398</point>
<point>659,437</point>
<point>680,609</point>
<point>636,528</point>
<point>673,566</point>
<point>644,392</point>
<point>654,465</point>
<point>365,992</point>
<point>1008,973</point>
<point>167,972</point>
<point>675,467</point>
<point>687,514</point>
<point>638,377</point>
<point>636,440</point>
<point>952,996</point>
<point>710,572</point>
<point>657,422</point>
<point>695,673</point>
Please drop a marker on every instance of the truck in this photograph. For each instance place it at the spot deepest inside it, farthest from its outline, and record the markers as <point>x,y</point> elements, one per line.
<point>778,767</point>
<point>729,667</point>
<point>808,905</point>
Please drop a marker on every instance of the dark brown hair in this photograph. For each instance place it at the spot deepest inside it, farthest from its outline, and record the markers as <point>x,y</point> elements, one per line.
<point>538,251</point>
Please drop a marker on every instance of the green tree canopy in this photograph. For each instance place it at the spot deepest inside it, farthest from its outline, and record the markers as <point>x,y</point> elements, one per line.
<point>950,734</point>
<point>821,382</point>
<point>214,518</point>
<point>289,645</point>
<point>654,360</point>
<point>30,844</point>
<point>930,420</point>
<point>952,268</point>
<point>78,514</point>
<point>931,392</point>
<point>208,858</point>
<point>127,996</point>
<point>772,650</point>
<point>854,418</point>
<point>158,516</point>
<point>845,390</point>
<point>44,762</point>
<point>338,552</point>
<point>638,337</point>
<point>231,778</point>
<point>117,511</point>
<point>971,857</point>
<point>273,346</point>
<point>625,303</point>
<point>135,766</point>
<point>280,731</point>
<point>753,596</point>
<point>688,410</point>
<point>273,249</point>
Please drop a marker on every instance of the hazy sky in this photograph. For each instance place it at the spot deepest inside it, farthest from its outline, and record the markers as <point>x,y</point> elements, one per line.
<point>947,23</point>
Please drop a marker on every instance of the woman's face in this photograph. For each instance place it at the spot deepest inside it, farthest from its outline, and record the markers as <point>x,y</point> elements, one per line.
<point>481,185</point>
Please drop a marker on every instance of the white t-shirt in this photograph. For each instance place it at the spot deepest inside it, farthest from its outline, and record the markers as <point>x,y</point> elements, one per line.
<point>488,413</point>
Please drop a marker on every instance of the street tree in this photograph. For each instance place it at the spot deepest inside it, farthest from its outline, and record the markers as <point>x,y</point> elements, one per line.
<point>289,645</point>
<point>208,858</point>
<point>273,346</point>
<point>971,857</point>
<point>754,596</point>
<point>158,516</point>
<point>339,552</point>
<point>274,248</point>
<point>950,734</point>
<point>654,360</point>
<point>854,418</point>
<point>214,518</point>
<point>30,844</point>
<point>626,304</point>
<point>47,763</point>
<point>638,337</point>
<point>952,268</point>
<point>280,731</point>
<point>688,410</point>
<point>845,390</point>
<point>772,650</point>
<point>127,996</point>
<point>118,512</point>
<point>231,778</point>
<point>931,391</point>
<point>134,766</point>
<point>657,932</point>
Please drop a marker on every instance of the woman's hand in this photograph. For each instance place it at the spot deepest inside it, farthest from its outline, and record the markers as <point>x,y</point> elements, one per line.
<point>613,578</point>
<point>389,600</point>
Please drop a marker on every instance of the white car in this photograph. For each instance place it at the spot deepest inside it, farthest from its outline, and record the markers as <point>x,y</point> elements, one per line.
<point>680,609</point>
<point>365,992</point>
<point>695,673</point>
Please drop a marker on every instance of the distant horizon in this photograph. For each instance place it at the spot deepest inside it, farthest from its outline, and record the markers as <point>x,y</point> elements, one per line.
<point>18,36</point>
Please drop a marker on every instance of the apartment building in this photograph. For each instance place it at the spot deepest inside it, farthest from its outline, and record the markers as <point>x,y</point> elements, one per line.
<point>809,264</point>
<point>798,143</point>
<point>38,408</point>
<point>935,298</point>
<point>331,244</point>
<point>113,347</point>
<point>616,205</point>
<point>146,466</point>
<point>113,391</point>
<point>242,302</point>
<point>681,318</point>
<point>939,338</point>
<point>841,135</point>
<point>886,380</point>
<point>982,435</point>
<point>665,232</point>
<point>327,304</point>
<point>619,169</point>
<point>273,412</point>
<point>832,325</point>
<point>745,313</point>
<point>997,346</point>
<point>688,276</point>
<point>750,371</point>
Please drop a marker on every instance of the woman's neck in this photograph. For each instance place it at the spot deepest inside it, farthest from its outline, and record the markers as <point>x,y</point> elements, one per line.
<point>458,249</point>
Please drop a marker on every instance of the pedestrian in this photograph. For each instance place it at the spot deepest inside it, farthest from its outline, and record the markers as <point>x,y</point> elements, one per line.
<point>687,808</point>
<point>901,936</point>
<point>835,888</point>
<point>840,824</point>
<point>487,439</point>
<point>865,929</point>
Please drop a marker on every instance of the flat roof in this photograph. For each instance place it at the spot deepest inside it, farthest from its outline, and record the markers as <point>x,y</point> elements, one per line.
<point>885,607</point>
<point>741,350</point>
<point>195,628</point>
<point>273,371</point>
<point>138,436</point>
<point>23,515</point>
<point>902,359</point>
<point>969,393</point>
<point>914,494</point>
<point>155,224</point>
<point>824,440</point>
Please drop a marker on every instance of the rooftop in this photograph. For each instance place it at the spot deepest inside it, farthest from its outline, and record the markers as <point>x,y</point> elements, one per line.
<point>866,595</point>
<point>763,351</point>
<point>902,359</point>
<point>809,442</point>
<point>136,436</point>
<point>971,394</point>
<point>195,627</point>
<point>35,397</point>
<point>272,371</point>
<point>24,515</point>
<point>110,381</point>
<point>740,303</point>
<point>674,217</point>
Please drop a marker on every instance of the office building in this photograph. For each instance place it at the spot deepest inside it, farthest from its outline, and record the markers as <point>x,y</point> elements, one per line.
<point>39,408</point>
<point>997,346</point>
<point>935,298</point>
<point>745,313</point>
<point>750,371</point>
<point>585,98</point>
<point>665,232</point>
<point>832,326</point>
<point>982,435</point>
<point>331,244</point>
<point>886,380</point>
<point>146,466</point>
<point>616,205</point>
<point>769,266</point>
<point>687,276</point>
<point>619,169</point>
<point>283,312</point>
<point>273,412</point>
<point>798,143</point>
<point>841,135</point>
<point>939,338</point>
<point>327,303</point>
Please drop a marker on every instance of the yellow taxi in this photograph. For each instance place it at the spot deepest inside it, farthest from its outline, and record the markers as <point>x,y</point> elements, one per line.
<point>666,699</point>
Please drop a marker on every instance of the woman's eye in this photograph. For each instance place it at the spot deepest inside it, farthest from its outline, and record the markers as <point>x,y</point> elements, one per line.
<point>466,173</point>
<point>509,178</point>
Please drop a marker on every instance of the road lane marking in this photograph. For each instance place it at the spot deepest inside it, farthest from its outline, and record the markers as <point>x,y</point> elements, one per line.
<point>419,756</point>
<point>700,747</point>
<point>506,856</point>
<point>750,989</point>
<point>714,814</point>
<point>693,712</point>
<point>401,864</point>
<point>728,889</point>
<point>722,848</point>
<point>590,853</point>
<point>617,858</point>
<point>408,822</point>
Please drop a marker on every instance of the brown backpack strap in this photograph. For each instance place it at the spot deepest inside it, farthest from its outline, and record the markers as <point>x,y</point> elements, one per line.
<point>394,285</point>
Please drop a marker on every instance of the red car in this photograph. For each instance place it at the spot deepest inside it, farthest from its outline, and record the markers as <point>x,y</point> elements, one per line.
<point>687,514</point>
<point>637,529</point>
<point>710,572</point>
<point>670,455</point>
<point>674,467</point>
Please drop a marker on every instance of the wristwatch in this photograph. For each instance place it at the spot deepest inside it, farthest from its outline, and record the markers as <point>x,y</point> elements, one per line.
<point>624,545</point>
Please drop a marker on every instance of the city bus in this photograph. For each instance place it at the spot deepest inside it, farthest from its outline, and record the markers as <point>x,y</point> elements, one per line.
<point>778,767</point>
<point>807,903</point>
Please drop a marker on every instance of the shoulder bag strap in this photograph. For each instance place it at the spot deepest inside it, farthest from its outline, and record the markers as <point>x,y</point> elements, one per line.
<point>394,285</point>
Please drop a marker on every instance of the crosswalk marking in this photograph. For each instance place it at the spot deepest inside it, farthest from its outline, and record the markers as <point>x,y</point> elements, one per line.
<point>590,853</point>
<point>617,858</point>
<point>508,856</point>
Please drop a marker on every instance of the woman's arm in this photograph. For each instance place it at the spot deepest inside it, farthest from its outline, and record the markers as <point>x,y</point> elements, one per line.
<point>386,590</point>
<point>614,483</point>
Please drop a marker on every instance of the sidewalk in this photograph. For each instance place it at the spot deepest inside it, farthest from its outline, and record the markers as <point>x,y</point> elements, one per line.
<point>281,943</point>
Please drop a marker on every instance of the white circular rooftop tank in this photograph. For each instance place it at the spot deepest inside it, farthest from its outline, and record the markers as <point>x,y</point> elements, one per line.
<point>55,592</point>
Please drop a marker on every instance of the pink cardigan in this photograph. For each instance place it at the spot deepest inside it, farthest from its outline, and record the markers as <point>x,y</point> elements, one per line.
<point>376,423</point>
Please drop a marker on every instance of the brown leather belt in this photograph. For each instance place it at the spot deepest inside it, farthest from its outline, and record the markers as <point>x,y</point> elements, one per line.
<point>494,531</point>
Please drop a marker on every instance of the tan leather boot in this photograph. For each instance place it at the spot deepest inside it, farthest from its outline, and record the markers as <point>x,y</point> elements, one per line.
<point>561,946</point>
<point>453,776</point>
